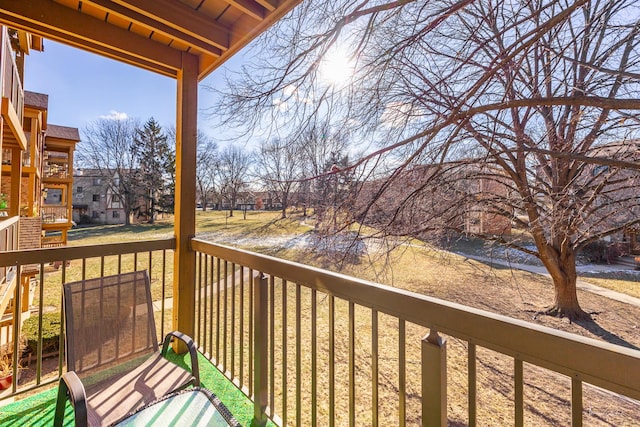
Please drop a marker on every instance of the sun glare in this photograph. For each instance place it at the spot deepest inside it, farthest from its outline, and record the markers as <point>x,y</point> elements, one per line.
<point>336,67</point>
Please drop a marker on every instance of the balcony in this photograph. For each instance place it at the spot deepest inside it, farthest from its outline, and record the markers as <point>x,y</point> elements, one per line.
<point>56,166</point>
<point>305,346</point>
<point>55,214</point>
<point>310,347</point>
<point>12,95</point>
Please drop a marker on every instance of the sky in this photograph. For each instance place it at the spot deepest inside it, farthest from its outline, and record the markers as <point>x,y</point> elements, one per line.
<point>84,87</point>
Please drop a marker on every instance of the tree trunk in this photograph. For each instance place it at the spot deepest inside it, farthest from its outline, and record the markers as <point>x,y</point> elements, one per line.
<point>562,269</point>
<point>284,206</point>
<point>127,213</point>
<point>152,208</point>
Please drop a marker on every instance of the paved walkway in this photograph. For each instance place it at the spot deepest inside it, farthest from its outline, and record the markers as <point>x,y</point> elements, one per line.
<point>582,285</point>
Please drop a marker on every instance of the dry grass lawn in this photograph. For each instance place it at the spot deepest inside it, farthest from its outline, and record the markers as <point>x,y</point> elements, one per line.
<point>516,294</point>
<point>513,293</point>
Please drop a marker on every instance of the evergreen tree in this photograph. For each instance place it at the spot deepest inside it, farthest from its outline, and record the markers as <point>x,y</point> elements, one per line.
<point>156,167</point>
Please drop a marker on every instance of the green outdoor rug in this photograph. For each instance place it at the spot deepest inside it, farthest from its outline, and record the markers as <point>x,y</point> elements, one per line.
<point>38,410</point>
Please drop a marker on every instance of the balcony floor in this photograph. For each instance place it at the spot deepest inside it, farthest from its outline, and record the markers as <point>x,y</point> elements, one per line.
<point>39,409</point>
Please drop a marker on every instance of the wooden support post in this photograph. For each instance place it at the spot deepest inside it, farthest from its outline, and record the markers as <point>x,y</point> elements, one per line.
<point>576,402</point>
<point>185,199</point>
<point>2,123</point>
<point>16,179</point>
<point>518,388</point>
<point>261,350</point>
<point>25,285</point>
<point>434,380</point>
<point>17,325</point>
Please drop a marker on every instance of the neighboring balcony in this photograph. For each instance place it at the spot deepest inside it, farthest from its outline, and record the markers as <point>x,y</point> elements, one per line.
<point>56,166</point>
<point>56,214</point>
<point>12,96</point>
<point>312,347</point>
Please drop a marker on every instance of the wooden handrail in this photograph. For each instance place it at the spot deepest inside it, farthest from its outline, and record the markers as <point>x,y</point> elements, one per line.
<point>609,366</point>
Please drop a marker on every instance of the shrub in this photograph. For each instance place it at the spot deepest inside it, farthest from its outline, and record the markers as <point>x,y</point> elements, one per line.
<point>50,333</point>
<point>595,252</point>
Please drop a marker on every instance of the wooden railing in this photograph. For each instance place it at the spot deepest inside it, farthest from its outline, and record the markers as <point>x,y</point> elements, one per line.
<point>312,347</point>
<point>55,214</point>
<point>42,359</point>
<point>8,242</point>
<point>319,348</point>
<point>11,84</point>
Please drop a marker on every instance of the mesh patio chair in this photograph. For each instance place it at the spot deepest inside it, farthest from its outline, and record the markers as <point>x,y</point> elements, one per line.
<point>113,361</point>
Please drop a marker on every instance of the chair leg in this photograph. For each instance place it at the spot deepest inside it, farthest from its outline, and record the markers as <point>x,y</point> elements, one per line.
<point>71,385</point>
<point>193,352</point>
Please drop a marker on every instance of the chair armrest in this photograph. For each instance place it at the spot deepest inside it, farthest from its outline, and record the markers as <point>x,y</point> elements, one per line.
<point>71,384</point>
<point>193,352</point>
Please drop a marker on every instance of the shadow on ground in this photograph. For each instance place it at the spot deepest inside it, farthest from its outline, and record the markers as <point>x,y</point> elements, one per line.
<point>592,326</point>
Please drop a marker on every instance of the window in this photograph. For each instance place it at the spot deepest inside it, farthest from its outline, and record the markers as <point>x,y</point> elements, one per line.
<point>96,197</point>
<point>79,190</point>
<point>95,214</point>
<point>116,214</point>
<point>115,199</point>
<point>53,196</point>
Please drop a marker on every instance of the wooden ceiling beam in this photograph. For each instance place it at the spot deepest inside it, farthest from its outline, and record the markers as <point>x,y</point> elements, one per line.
<point>71,40</point>
<point>247,30</point>
<point>25,41</point>
<point>270,5</point>
<point>182,18</point>
<point>249,7</point>
<point>154,25</point>
<point>62,23</point>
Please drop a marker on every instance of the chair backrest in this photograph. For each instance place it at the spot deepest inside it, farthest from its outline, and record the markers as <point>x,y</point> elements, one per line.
<point>109,321</point>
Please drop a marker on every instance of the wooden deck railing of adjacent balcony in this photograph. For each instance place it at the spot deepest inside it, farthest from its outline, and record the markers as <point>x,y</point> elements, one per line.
<point>54,214</point>
<point>8,241</point>
<point>11,84</point>
<point>328,349</point>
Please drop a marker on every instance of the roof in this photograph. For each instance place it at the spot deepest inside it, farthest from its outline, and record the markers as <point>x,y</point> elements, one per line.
<point>153,35</point>
<point>37,100</point>
<point>63,132</point>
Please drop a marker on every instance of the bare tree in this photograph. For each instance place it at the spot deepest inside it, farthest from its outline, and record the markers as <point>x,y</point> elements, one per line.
<point>206,168</point>
<point>320,148</point>
<point>278,165</point>
<point>533,95</point>
<point>233,173</point>
<point>108,148</point>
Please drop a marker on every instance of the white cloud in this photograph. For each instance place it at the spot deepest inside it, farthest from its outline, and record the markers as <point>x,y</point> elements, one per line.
<point>115,115</point>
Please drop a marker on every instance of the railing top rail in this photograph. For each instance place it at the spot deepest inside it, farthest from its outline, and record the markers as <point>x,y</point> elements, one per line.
<point>607,365</point>
<point>45,255</point>
<point>4,224</point>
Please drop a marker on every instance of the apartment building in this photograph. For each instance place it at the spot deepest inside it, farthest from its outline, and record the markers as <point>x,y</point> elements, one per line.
<point>93,200</point>
<point>35,181</point>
